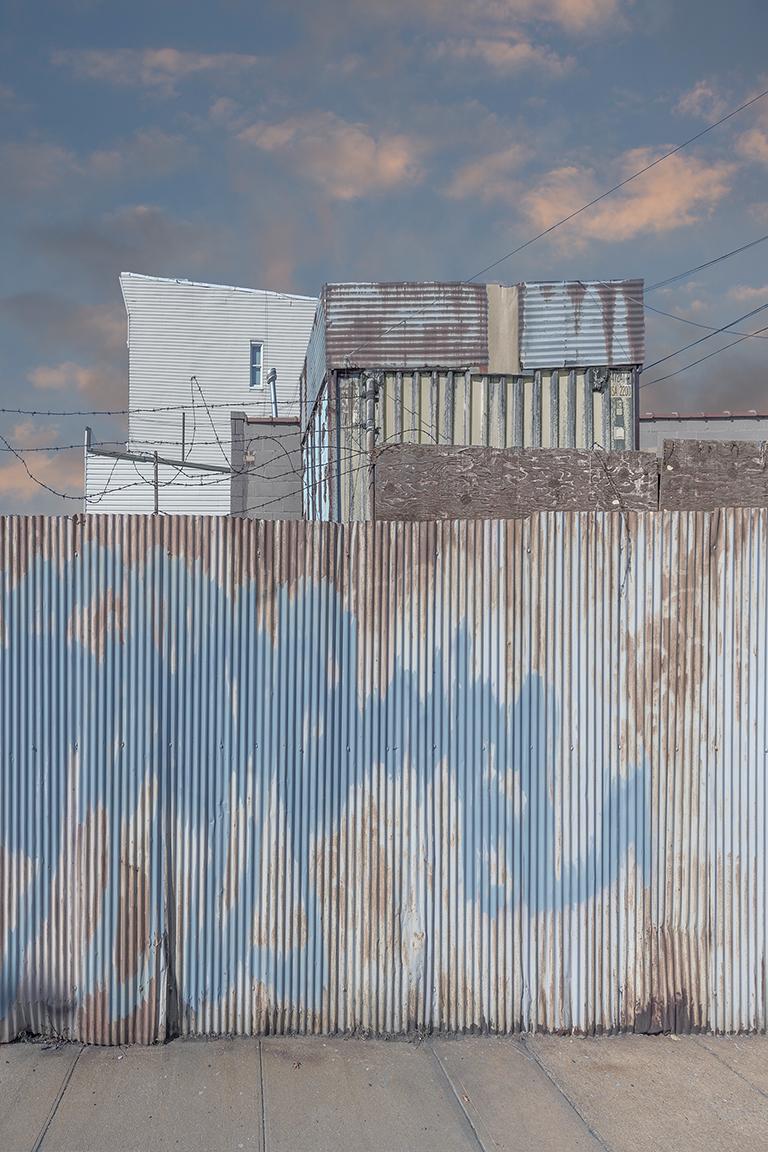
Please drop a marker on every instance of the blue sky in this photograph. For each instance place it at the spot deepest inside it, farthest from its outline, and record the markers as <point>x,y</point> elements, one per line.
<point>282,145</point>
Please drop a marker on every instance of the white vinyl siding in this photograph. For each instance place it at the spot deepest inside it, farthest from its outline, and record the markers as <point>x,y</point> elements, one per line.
<point>128,486</point>
<point>179,330</point>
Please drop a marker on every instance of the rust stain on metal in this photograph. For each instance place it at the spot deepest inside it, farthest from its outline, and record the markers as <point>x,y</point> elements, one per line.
<point>92,626</point>
<point>451,776</point>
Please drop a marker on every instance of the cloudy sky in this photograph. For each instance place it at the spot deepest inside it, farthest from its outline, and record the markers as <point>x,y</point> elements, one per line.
<point>279,145</point>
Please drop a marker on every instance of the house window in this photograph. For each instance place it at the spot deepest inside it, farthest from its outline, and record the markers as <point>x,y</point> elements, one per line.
<point>256,348</point>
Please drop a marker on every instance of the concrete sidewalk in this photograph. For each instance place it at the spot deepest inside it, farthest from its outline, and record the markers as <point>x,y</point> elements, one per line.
<point>551,1094</point>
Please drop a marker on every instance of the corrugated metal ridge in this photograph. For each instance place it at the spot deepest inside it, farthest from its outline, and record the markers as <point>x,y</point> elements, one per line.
<point>575,323</point>
<point>409,323</point>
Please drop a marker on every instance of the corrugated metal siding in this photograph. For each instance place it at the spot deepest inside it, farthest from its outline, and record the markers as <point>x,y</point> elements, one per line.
<point>409,325</point>
<point>316,488</point>
<point>127,486</point>
<point>547,409</point>
<point>313,375</point>
<point>572,324</point>
<point>393,777</point>
<point>179,329</point>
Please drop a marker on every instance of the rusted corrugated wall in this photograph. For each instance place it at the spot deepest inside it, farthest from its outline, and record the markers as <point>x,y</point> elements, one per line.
<point>270,777</point>
<point>574,323</point>
<point>406,324</point>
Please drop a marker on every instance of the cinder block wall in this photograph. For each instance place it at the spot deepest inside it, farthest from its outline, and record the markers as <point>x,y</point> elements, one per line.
<point>267,469</point>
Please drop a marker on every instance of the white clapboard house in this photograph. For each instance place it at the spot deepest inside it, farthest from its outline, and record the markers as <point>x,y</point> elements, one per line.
<point>196,353</point>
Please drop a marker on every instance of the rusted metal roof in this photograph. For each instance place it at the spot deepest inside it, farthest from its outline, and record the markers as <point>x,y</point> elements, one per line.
<point>282,777</point>
<point>575,323</point>
<point>408,325</point>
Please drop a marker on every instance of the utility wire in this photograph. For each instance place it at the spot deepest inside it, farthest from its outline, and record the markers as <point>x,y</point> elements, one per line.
<point>711,328</point>
<point>707,264</point>
<point>697,323</point>
<point>307,485</point>
<point>669,375</point>
<point>577,212</point>
<point>227,461</point>
<point>494,264</point>
<point>709,336</point>
<point>144,481</point>
<point>622,183</point>
<point>119,446</point>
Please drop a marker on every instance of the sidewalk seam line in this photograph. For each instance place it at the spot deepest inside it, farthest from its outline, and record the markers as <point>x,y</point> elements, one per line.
<point>55,1107</point>
<point>458,1099</point>
<point>532,1055</point>
<point>701,1044</point>
<point>263,1100</point>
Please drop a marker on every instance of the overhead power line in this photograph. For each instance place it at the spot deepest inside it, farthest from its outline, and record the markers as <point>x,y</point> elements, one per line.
<point>622,183</point>
<point>716,332</point>
<point>717,351</point>
<point>578,211</point>
<point>670,315</point>
<point>707,264</point>
<point>697,323</point>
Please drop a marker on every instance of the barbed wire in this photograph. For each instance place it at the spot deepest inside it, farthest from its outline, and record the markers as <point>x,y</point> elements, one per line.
<point>233,406</point>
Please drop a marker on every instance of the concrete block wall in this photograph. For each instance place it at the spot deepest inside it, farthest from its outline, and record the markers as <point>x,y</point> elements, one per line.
<point>267,468</point>
<point>425,482</point>
<point>437,482</point>
<point>700,475</point>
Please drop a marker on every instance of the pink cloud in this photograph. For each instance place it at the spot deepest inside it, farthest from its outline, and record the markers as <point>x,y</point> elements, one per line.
<point>683,190</point>
<point>346,160</point>
<point>748,293</point>
<point>101,381</point>
<point>507,54</point>
<point>572,15</point>
<point>159,69</point>
<point>703,101</point>
<point>29,434</point>
<point>61,470</point>
<point>575,15</point>
<point>491,178</point>
<point>753,145</point>
<point>36,166</point>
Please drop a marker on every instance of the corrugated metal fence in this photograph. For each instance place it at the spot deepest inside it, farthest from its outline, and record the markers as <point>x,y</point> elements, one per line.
<point>270,777</point>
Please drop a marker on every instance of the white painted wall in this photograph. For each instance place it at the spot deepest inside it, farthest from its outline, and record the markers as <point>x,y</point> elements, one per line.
<point>653,432</point>
<point>178,329</point>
